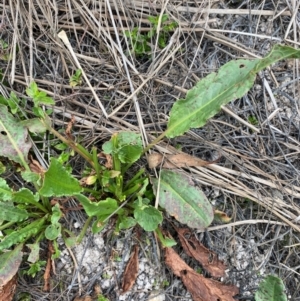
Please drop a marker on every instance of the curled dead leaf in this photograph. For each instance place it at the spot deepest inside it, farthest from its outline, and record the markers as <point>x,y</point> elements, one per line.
<point>175,161</point>
<point>131,271</point>
<point>208,259</point>
<point>201,288</point>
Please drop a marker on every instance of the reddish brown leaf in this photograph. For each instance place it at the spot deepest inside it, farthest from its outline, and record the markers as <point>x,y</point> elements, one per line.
<point>175,161</point>
<point>69,128</point>
<point>208,259</point>
<point>47,272</point>
<point>8,290</point>
<point>204,289</point>
<point>201,288</point>
<point>131,271</point>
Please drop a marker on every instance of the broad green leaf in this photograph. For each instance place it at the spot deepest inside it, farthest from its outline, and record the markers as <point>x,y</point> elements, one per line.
<point>271,289</point>
<point>22,234</point>
<point>58,182</point>
<point>105,207</point>
<point>12,214</point>
<point>148,217</point>
<point>34,255</point>
<point>179,196</point>
<point>232,81</point>
<point>25,196</point>
<point>13,137</point>
<point>52,231</point>
<point>34,125</point>
<point>9,264</point>
<point>5,191</point>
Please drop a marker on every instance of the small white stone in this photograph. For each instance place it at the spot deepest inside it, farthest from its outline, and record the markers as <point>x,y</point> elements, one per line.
<point>77,225</point>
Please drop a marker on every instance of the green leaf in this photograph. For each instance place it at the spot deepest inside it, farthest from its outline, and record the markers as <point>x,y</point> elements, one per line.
<point>9,264</point>
<point>22,234</point>
<point>34,125</point>
<point>13,137</point>
<point>12,214</point>
<point>148,217</point>
<point>32,90</point>
<point>104,207</point>
<point>128,146</point>
<point>126,222</point>
<point>58,182</point>
<point>30,176</point>
<point>56,214</point>
<point>179,196</point>
<point>165,241</point>
<point>232,81</point>
<point>25,196</point>
<point>53,231</point>
<point>34,255</point>
<point>5,191</point>
<point>2,168</point>
<point>271,289</point>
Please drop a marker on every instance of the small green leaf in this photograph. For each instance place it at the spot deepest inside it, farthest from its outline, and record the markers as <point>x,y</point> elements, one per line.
<point>58,182</point>
<point>104,207</point>
<point>34,125</point>
<point>9,264</point>
<point>179,196</point>
<point>52,231</point>
<point>32,90</point>
<point>232,81</point>
<point>34,255</point>
<point>14,143</point>
<point>126,222</point>
<point>271,289</point>
<point>12,214</point>
<point>30,176</point>
<point>148,217</point>
<point>128,146</point>
<point>2,168</point>
<point>5,191</point>
<point>165,241</point>
<point>56,214</point>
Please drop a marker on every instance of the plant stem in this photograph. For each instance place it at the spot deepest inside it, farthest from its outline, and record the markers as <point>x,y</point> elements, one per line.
<point>136,176</point>
<point>75,146</point>
<point>84,229</point>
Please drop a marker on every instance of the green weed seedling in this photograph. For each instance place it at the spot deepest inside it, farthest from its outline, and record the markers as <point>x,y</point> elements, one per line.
<point>27,216</point>
<point>140,43</point>
<point>76,79</point>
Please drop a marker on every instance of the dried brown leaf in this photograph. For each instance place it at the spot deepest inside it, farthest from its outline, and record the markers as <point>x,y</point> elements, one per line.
<point>131,271</point>
<point>8,290</point>
<point>69,128</point>
<point>208,259</point>
<point>201,288</point>
<point>175,161</point>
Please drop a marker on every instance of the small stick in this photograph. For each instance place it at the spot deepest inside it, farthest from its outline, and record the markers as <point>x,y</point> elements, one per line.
<point>62,35</point>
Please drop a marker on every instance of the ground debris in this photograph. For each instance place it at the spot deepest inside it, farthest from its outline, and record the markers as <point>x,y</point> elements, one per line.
<point>131,271</point>
<point>175,161</point>
<point>201,288</point>
<point>205,257</point>
<point>7,291</point>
